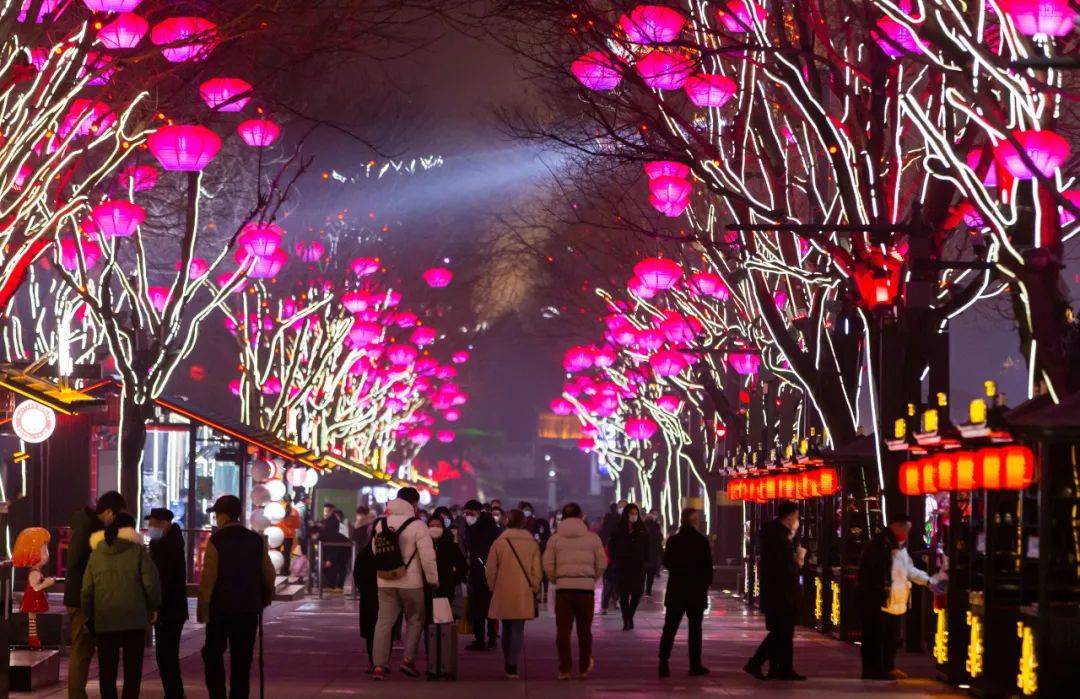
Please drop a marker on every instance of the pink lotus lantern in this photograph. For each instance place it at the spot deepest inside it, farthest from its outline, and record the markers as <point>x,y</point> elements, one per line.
<point>666,168</point>
<point>438,277</point>
<point>446,436</point>
<point>185,38</point>
<point>86,117</point>
<point>364,266</point>
<point>118,219</point>
<point>225,94</point>
<point>638,288</point>
<point>1073,196</point>
<point>401,355</point>
<point>1040,17</point>
<point>459,357</point>
<point>668,363</point>
<point>258,133</point>
<point>1046,149</point>
<point>184,148</point>
<point>139,178</point>
<point>197,267</point>
<point>234,387</point>
<point>640,428</point>
<point>652,24</point>
<point>268,267</point>
<point>423,336</point>
<point>421,436</point>
<point>260,239</point>
<point>895,39</point>
<point>678,330</point>
<point>604,357</point>
<point>561,406</point>
<point>669,403</point>
<point>364,333</point>
<point>124,32</point>
<point>231,279</point>
<point>310,253</point>
<point>578,358</point>
<point>664,70</point>
<point>158,297</point>
<point>47,8</point>
<point>658,273</point>
<point>708,284</point>
<point>736,16</point>
<point>648,341</point>
<point>670,195</point>
<point>779,298</point>
<point>744,363</point>
<point>356,301</point>
<point>272,386</point>
<point>596,71</point>
<point>405,320</point>
<point>111,5</point>
<point>974,158</point>
<point>69,254</point>
<point>98,66</point>
<point>392,298</point>
<point>709,89</point>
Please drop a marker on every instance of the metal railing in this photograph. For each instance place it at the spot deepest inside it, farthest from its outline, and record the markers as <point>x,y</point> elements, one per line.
<point>316,569</point>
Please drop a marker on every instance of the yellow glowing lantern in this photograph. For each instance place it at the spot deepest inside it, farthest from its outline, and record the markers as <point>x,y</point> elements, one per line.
<point>974,664</point>
<point>930,420</point>
<point>977,411</point>
<point>941,637</point>
<point>899,428</point>
<point>910,483</point>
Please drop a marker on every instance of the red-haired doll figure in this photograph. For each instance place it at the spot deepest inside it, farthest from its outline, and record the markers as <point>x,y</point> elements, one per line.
<point>32,551</point>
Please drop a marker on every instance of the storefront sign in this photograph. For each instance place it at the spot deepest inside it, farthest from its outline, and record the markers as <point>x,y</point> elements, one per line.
<point>33,422</point>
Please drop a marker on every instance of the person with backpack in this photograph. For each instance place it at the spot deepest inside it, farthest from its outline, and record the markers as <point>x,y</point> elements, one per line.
<point>514,574</point>
<point>404,562</point>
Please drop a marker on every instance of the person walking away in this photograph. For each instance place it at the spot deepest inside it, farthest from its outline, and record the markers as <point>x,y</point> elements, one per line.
<point>480,534</point>
<point>120,596</point>
<point>237,584</point>
<point>688,559</point>
<point>655,555</point>
<point>629,550</point>
<point>540,529</point>
<point>169,554</point>
<point>360,532</point>
<point>333,562</point>
<point>575,561</point>
<point>780,595</point>
<point>513,574</point>
<point>608,526</point>
<point>365,580</point>
<point>404,559</point>
<point>84,523</point>
<point>452,572</point>
<point>883,591</point>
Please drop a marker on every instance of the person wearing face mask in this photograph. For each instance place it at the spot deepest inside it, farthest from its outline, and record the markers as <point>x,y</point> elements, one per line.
<point>540,530</point>
<point>441,637</point>
<point>480,534</point>
<point>448,559</point>
<point>168,553</point>
<point>780,595</point>
<point>498,516</point>
<point>629,550</point>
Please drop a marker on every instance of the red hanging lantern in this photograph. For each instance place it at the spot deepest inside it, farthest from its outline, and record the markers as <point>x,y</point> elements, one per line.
<point>827,480</point>
<point>878,280</point>
<point>1006,468</point>
<point>945,470</point>
<point>771,487</point>
<point>910,483</point>
<point>787,486</point>
<point>988,468</point>
<point>928,476</point>
<point>965,470</point>
<point>808,487</point>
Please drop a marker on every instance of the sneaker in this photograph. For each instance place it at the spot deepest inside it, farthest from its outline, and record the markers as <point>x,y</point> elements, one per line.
<point>898,674</point>
<point>586,671</point>
<point>378,673</point>
<point>699,671</point>
<point>408,668</point>
<point>476,645</point>
<point>564,675</point>
<point>665,669</point>
<point>754,671</point>
<point>512,672</point>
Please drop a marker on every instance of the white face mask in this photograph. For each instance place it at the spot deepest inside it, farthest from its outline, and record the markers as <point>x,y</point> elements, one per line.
<point>528,513</point>
<point>470,520</point>
<point>436,532</point>
<point>155,533</point>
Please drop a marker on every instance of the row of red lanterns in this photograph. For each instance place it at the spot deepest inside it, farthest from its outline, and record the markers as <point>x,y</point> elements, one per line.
<point>994,468</point>
<point>785,486</point>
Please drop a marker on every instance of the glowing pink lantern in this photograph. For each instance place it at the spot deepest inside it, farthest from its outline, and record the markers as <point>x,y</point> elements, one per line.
<point>184,147</point>
<point>709,89</point>
<point>272,386</point>
<point>668,363</point>
<point>234,387</point>
<point>364,266</point>
<point>69,254</point>
<point>225,94</point>
<point>86,117</point>
<point>124,32</point>
<point>260,239</point>
<point>1046,149</point>
<point>974,157</point>
<point>405,320</point>
<point>596,71</point>
<point>118,219</point>
<point>779,298</point>
<point>39,57</point>
<point>185,38</point>
<point>446,436</point>
<point>231,279</point>
<point>604,357</point>
<point>652,24</point>
<point>438,277</point>
<point>638,288</point>
<point>1040,17</point>
<point>578,358</point>
<point>423,336</point>
<point>677,329</point>
<point>421,436</point>
<point>744,363</point>
<point>663,70</point>
<point>98,65</point>
<point>666,168</point>
<point>640,428</point>
<point>364,333</point>
<point>648,341</point>
<point>669,403</point>
<point>459,357</point>
<point>196,268</point>
<point>392,298</point>
<point>139,178</point>
<point>401,355</point>
<point>268,267</point>
<point>158,296</point>
<point>561,406</point>
<point>1073,196</point>
<point>586,444</point>
<point>47,7</point>
<point>258,133</point>
<point>670,195</point>
<point>111,5</point>
<point>895,39</point>
<point>310,253</point>
<point>658,273</point>
<point>736,16</point>
<point>356,301</point>
<point>708,284</point>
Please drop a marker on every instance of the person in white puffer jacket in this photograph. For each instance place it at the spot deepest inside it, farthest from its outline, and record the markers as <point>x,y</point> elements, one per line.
<point>574,561</point>
<point>406,593</point>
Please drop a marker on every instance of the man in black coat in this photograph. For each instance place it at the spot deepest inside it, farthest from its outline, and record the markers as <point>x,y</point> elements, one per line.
<point>169,554</point>
<point>656,549</point>
<point>335,559</point>
<point>688,559</point>
<point>480,534</point>
<point>780,595</point>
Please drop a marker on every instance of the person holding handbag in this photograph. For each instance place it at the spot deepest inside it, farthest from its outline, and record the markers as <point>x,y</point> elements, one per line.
<point>514,575</point>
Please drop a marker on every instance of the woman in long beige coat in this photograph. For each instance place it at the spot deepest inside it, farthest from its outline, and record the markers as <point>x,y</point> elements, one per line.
<point>514,576</point>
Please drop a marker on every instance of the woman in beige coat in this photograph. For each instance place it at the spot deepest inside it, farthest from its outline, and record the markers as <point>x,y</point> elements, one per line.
<point>514,576</point>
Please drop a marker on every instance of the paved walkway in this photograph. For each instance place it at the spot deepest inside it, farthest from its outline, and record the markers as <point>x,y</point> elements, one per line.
<point>313,649</point>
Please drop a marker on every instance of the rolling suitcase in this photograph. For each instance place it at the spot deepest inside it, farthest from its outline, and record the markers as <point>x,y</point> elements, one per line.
<point>442,651</point>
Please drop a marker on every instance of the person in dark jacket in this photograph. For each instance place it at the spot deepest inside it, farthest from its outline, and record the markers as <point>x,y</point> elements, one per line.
<point>169,554</point>
<point>655,555</point>
<point>629,550</point>
<point>84,523</point>
<point>780,595</point>
<point>237,584</point>
<point>480,533</point>
<point>688,559</point>
<point>335,559</point>
<point>448,559</point>
<point>540,529</point>
<point>608,526</point>
<point>366,581</point>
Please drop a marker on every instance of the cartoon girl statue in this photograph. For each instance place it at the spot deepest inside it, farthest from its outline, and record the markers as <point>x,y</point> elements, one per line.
<point>32,551</point>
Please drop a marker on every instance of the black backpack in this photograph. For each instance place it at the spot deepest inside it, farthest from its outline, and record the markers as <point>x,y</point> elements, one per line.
<point>389,563</point>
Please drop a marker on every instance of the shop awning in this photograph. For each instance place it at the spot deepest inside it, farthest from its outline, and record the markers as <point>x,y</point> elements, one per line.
<point>67,401</point>
<point>1041,416</point>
